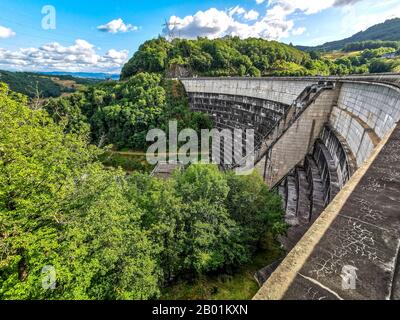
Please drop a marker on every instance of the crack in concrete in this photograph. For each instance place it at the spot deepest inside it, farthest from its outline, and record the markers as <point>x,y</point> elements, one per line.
<point>366,223</point>
<point>322,286</point>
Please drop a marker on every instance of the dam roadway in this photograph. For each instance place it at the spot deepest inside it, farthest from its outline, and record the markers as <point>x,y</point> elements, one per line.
<point>331,147</point>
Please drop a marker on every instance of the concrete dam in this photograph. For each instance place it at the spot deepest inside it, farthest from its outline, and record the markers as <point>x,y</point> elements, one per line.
<point>331,147</point>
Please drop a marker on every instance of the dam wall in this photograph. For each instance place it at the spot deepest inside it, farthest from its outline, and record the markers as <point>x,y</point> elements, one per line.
<point>361,111</point>
<point>282,90</point>
<point>335,165</point>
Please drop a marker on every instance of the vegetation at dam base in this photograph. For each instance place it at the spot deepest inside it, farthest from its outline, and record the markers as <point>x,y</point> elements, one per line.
<point>236,284</point>
<point>109,235</point>
<point>128,161</point>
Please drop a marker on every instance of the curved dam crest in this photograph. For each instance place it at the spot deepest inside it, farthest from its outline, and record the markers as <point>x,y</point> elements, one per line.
<point>330,147</point>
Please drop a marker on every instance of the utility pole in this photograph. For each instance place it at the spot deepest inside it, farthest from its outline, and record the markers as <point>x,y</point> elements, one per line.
<point>170,26</point>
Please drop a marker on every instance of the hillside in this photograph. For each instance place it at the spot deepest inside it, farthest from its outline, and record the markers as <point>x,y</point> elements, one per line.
<point>229,56</point>
<point>387,31</point>
<point>32,84</point>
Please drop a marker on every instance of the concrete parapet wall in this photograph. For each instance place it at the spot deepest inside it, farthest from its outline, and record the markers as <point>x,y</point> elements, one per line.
<point>375,104</point>
<point>360,138</point>
<point>364,114</point>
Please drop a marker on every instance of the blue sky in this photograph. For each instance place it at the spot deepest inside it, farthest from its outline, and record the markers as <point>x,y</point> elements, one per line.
<point>99,36</point>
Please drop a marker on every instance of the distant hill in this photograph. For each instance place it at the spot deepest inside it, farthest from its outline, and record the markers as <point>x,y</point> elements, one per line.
<point>387,31</point>
<point>86,75</point>
<point>26,83</point>
<point>48,85</point>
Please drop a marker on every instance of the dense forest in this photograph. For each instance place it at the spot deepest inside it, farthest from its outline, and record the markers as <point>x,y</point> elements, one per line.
<point>364,45</point>
<point>232,56</point>
<point>31,84</point>
<point>121,113</point>
<point>107,234</point>
<point>220,57</point>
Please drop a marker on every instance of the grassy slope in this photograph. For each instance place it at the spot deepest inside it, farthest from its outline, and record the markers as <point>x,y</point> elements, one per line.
<point>340,54</point>
<point>240,285</point>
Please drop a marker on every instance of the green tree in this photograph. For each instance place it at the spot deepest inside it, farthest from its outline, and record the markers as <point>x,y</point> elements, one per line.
<point>60,208</point>
<point>151,57</point>
<point>69,112</point>
<point>136,105</point>
<point>379,66</point>
<point>229,56</point>
<point>38,164</point>
<point>254,208</point>
<point>106,253</point>
<point>210,241</point>
<point>107,235</point>
<point>164,218</point>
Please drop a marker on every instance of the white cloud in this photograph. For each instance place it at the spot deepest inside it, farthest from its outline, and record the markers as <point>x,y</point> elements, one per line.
<point>246,15</point>
<point>6,33</point>
<point>81,56</point>
<point>310,6</point>
<point>214,23</point>
<point>251,15</point>
<point>355,20</point>
<point>298,31</point>
<point>339,3</point>
<point>275,24</point>
<point>236,10</point>
<point>116,26</point>
<point>306,6</point>
<point>211,23</point>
